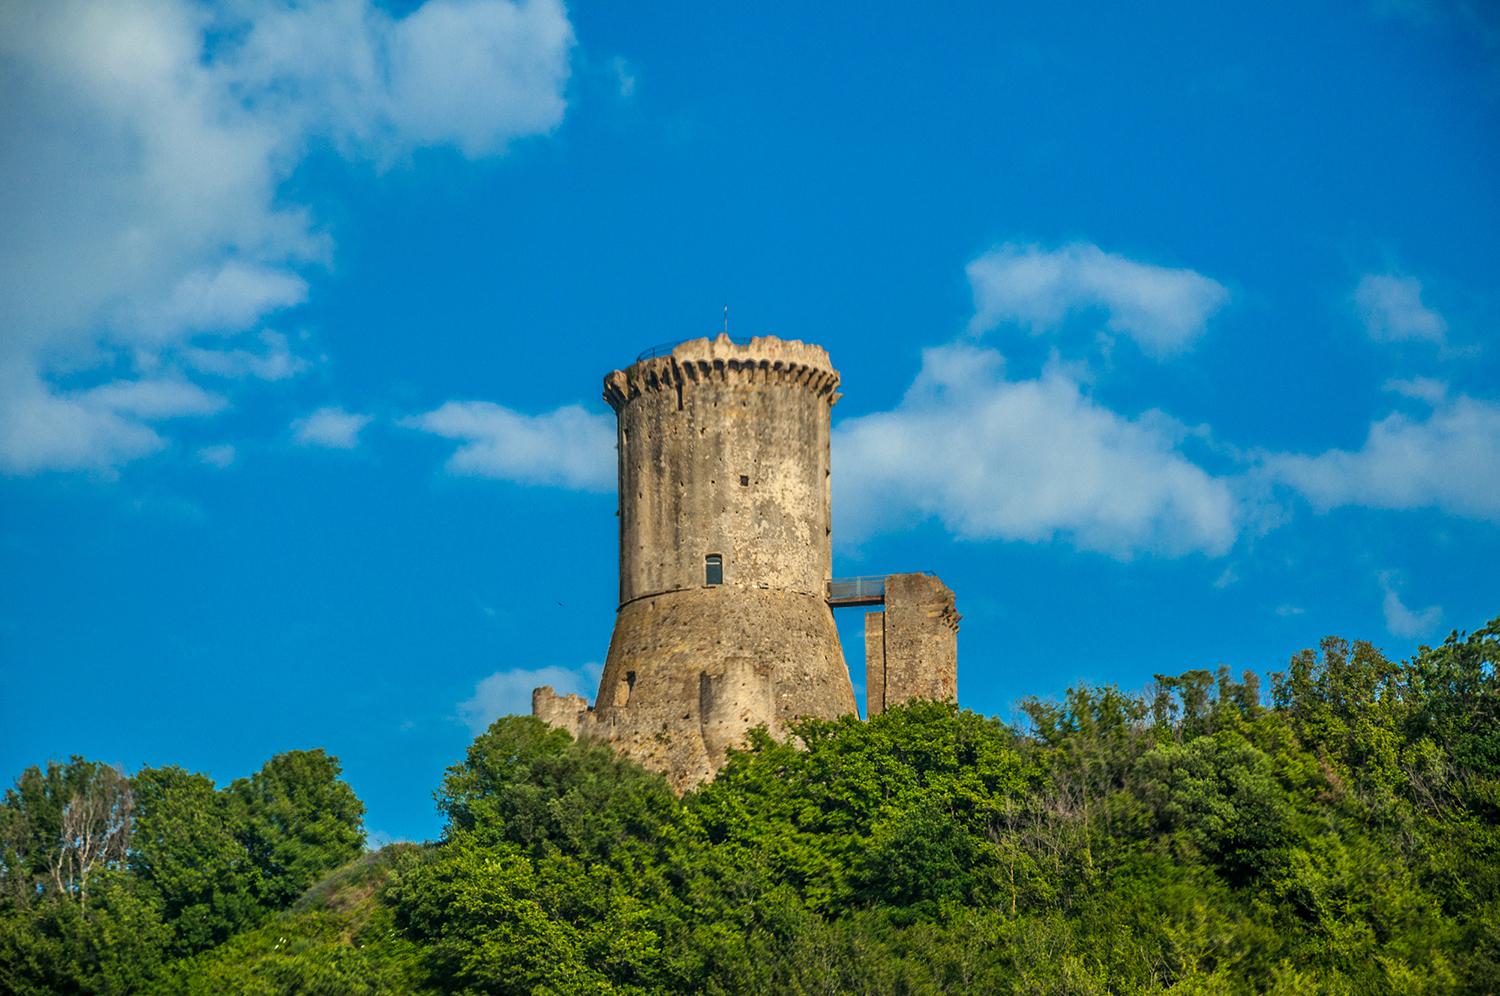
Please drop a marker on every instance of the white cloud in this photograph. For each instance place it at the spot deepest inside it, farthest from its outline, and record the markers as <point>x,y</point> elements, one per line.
<point>220,455</point>
<point>474,74</point>
<point>151,399</point>
<point>92,429</point>
<point>1402,621</point>
<point>1025,460</point>
<point>1290,611</point>
<point>141,185</point>
<point>1391,309</point>
<point>229,298</point>
<point>1448,460</point>
<point>275,360</point>
<point>1433,392</point>
<point>1164,310</point>
<point>41,430</point>
<point>569,447</point>
<point>508,693</point>
<point>330,427</point>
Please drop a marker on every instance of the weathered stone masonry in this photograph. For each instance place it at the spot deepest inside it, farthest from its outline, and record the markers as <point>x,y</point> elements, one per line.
<point>725,561</point>
<point>911,647</point>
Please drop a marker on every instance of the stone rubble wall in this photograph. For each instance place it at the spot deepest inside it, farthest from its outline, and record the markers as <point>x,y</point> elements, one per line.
<point>911,648</point>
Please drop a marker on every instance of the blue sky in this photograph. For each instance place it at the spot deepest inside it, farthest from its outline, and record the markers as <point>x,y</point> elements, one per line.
<point>1167,338</point>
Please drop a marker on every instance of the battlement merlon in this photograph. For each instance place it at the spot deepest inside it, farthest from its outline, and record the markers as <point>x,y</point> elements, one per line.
<point>764,358</point>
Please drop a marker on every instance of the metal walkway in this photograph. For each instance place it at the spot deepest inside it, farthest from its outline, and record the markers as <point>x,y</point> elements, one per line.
<point>843,592</point>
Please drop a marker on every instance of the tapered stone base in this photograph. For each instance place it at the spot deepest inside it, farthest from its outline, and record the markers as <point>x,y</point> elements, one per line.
<point>690,673</point>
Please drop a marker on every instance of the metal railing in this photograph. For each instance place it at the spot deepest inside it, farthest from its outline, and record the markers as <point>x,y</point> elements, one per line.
<point>868,590</point>
<point>665,348</point>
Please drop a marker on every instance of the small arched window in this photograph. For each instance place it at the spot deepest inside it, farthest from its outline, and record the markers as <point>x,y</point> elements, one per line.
<point>713,569</point>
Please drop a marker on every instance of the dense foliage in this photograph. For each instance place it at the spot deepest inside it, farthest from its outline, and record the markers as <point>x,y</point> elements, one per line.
<point>106,879</point>
<point>1340,835</point>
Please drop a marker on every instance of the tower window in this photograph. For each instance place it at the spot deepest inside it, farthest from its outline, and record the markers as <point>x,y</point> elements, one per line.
<point>744,480</point>
<point>713,569</point>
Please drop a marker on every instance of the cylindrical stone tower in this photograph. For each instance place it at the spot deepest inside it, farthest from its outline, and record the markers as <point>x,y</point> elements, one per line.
<point>723,622</point>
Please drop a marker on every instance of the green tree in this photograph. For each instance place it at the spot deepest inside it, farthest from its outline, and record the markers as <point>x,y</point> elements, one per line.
<point>187,850</point>
<point>298,820</point>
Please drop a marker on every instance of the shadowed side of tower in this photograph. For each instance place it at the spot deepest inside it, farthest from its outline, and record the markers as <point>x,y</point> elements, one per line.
<point>725,556</point>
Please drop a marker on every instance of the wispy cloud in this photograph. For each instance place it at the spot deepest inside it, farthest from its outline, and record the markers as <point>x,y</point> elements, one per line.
<point>1391,309</point>
<point>1028,460</point>
<point>145,210</point>
<point>624,77</point>
<point>226,297</point>
<point>508,693</point>
<point>569,447</point>
<point>220,455</point>
<point>41,429</point>
<point>1434,392</point>
<point>1402,621</point>
<point>1449,459</point>
<point>273,361</point>
<point>330,428</point>
<point>151,399</point>
<point>1163,310</point>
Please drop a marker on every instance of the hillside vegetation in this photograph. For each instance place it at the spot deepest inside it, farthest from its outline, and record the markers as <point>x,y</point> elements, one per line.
<point>1344,838</point>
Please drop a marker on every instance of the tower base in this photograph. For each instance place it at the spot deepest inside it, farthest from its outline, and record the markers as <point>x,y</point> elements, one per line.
<point>691,672</point>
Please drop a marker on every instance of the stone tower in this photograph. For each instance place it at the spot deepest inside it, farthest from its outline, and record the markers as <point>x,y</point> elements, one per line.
<point>725,620</point>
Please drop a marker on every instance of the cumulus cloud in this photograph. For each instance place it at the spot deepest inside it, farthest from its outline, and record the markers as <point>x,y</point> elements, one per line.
<point>1402,621</point>
<point>475,74</point>
<point>570,446</point>
<point>331,428</point>
<point>508,693</point>
<point>1449,459</point>
<point>142,185</point>
<point>1029,460</point>
<point>1164,310</point>
<point>1391,309</point>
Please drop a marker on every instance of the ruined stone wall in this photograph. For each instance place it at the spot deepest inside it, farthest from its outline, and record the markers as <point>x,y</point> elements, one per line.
<point>567,712</point>
<point>874,663</point>
<point>917,646</point>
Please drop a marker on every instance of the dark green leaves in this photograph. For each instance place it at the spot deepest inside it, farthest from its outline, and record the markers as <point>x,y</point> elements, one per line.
<point>1345,839</point>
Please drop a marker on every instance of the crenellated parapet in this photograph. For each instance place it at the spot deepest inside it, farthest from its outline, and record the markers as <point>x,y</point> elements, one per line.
<point>764,359</point>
